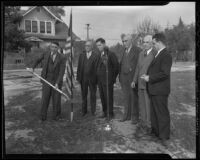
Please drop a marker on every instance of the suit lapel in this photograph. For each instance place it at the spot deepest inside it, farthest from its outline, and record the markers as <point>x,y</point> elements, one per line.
<point>131,53</point>
<point>122,56</point>
<point>56,60</point>
<point>47,56</point>
<point>92,55</point>
<point>158,56</point>
<point>143,58</point>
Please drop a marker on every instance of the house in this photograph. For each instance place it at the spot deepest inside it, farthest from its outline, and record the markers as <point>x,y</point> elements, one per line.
<point>43,26</point>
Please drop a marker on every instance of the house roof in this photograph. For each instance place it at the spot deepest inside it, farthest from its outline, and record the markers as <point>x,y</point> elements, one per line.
<point>49,11</point>
<point>61,28</point>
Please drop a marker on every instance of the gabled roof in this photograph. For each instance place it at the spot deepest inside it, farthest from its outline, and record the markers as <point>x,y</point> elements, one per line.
<point>50,12</point>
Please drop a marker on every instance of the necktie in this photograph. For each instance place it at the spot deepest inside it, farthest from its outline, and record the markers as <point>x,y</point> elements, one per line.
<point>88,55</point>
<point>102,54</point>
<point>126,51</point>
<point>145,54</point>
<point>52,56</point>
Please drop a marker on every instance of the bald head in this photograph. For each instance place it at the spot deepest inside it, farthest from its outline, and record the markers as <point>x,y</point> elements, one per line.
<point>88,45</point>
<point>127,40</point>
<point>148,38</point>
<point>147,42</point>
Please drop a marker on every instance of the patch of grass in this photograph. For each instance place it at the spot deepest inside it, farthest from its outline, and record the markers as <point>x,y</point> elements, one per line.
<point>82,135</point>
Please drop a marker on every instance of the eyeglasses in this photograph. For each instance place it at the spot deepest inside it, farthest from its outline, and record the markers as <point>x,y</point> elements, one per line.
<point>125,41</point>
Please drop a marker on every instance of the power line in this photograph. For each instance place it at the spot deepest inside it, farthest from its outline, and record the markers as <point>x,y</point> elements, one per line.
<point>88,28</point>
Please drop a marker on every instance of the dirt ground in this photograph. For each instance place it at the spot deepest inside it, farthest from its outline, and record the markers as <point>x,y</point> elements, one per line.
<point>25,134</point>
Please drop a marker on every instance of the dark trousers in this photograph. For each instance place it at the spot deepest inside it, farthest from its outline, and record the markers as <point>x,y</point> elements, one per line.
<point>160,117</point>
<point>130,95</point>
<point>104,98</point>
<point>84,90</point>
<point>47,93</point>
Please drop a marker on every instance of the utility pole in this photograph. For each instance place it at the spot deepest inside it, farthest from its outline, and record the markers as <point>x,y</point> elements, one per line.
<point>88,27</point>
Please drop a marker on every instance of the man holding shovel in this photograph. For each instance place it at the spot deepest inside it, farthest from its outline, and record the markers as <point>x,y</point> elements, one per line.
<point>53,70</point>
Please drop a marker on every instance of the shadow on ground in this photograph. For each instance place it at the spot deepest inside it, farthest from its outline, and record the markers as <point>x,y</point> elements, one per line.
<point>24,133</point>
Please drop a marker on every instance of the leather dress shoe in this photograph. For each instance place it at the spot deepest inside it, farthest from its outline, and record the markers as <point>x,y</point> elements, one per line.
<point>57,118</point>
<point>43,119</point>
<point>83,114</point>
<point>165,142</point>
<point>102,116</point>
<point>134,122</point>
<point>110,117</point>
<point>123,120</point>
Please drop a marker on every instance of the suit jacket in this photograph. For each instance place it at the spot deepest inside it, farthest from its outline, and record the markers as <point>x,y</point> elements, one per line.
<point>113,68</point>
<point>142,67</point>
<point>59,66</point>
<point>131,63</point>
<point>159,74</point>
<point>80,68</point>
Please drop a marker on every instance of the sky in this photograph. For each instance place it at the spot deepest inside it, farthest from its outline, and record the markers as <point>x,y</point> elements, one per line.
<point>109,22</point>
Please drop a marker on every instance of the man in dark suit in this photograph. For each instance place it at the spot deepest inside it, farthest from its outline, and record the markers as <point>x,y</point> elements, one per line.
<point>109,59</point>
<point>52,71</point>
<point>158,81</point>
<point>127,70</point>
<point>86,76</point>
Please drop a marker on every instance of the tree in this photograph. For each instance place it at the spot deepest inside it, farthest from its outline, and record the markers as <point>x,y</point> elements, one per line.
<point>148,26</point>
<point>13,37</point>
<point>118,49</point>
<point>181,40</point>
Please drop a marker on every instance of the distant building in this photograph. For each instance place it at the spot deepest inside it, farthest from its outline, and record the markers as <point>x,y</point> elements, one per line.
<point>43,26</point>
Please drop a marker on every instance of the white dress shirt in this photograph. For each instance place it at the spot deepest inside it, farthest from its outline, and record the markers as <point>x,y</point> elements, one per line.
<point>54,55</point>
<point>89,54</point>
<point>159,51</point>
<point>102,53</point>
<point>128,50</point>
<point>148,51</point>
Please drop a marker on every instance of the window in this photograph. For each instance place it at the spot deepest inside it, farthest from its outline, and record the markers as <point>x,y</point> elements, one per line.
<point>42,27</point>
<point>34,27</point>
<point>48,27</point>
<point>27,25</point>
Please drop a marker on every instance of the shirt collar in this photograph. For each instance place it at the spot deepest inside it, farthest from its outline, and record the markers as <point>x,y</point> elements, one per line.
<point>128,50</point>
<point>159,51</point>
<point>89,52</point>
<point>148,51</point>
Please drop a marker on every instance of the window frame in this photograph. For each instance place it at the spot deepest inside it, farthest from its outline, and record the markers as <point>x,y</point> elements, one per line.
<point>25,25</point>
<point>44,27</point>
<point>51,27</point>
<point>32,26</point>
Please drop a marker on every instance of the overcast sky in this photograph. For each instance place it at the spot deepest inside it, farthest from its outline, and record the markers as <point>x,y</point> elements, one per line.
<point>110,22</point>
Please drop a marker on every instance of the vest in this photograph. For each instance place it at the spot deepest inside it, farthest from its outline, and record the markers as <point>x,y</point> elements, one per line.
<point>86,68</point>
<point>50,69</point>
<point>125,64</point>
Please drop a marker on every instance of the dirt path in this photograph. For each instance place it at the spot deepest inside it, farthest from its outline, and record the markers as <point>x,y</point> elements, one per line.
<point>25,134</point>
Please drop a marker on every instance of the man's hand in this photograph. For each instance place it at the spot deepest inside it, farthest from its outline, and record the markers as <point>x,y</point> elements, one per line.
<point>145,77</point>
<point>133,84</point>
<point>30,69</point>
<point>56,85</point>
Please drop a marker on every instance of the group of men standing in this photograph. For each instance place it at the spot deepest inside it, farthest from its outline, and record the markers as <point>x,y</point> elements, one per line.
<point>98,69</point>
<point>144,75</point>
